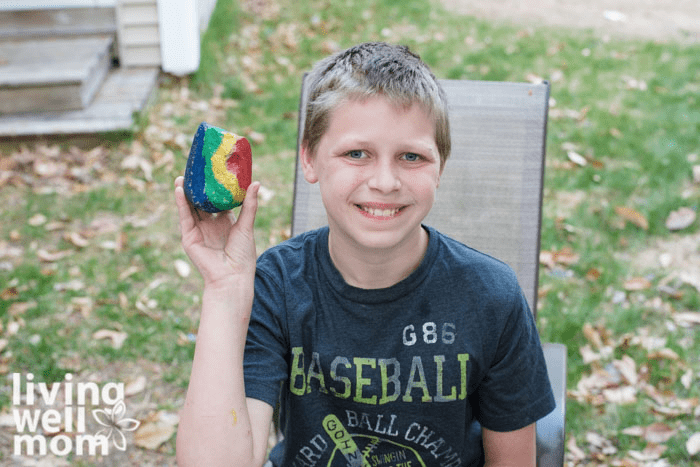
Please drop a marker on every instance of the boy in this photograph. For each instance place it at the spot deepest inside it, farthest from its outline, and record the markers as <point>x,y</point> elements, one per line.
<point>385,342</point>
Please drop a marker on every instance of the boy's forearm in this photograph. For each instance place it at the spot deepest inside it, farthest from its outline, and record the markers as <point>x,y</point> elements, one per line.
<point>215,427</point>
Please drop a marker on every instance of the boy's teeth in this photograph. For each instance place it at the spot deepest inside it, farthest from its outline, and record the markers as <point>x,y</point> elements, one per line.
<point>380,212</point>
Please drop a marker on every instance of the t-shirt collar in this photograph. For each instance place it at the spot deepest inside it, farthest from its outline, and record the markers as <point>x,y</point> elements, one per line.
<point>375,296</point>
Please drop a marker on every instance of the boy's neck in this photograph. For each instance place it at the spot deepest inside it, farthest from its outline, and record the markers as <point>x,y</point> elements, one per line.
<point>377,269</point>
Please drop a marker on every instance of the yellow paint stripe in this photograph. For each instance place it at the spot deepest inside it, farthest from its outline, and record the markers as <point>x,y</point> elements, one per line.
<point>218,166</point>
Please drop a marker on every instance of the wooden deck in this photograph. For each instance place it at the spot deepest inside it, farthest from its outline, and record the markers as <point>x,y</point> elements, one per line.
<point>58,75</point>
<point>124,92</point>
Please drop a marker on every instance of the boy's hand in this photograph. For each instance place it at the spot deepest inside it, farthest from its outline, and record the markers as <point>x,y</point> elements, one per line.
<point>221,247</point>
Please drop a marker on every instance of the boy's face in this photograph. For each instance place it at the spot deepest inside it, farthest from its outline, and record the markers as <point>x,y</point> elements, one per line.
<point>378,168</point>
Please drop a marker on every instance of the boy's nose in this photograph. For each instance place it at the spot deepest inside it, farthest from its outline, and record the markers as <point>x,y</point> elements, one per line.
<point>385,178</point>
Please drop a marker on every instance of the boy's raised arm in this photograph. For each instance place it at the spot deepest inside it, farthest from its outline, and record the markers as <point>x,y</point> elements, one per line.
<point>218,425</point>
<point>510,449</point>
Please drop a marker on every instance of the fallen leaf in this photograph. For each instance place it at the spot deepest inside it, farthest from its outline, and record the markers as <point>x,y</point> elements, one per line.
<point>547,258</point>
<point>9,293</point>
<point>593,274</point>
<point>566,256</point>
<point>136,386</point>
<point>659,433</point>
<point>74,285</point>
<point>54,226</point>
<point>627,368</point>
<point>534,79</point>
<point>680,219</point>
<point>622,395</point>
<point>83,305</point>
<point>676,407</point>
<point>600,443</point>
<point>663,354</point>
<point>650,453</point>
<point>588,355</point>
<point>155,430</point>
<point>77,239</point>
<point>634,431</point>
<point>265,194</point>
<point>696,174</point>
<point>130,271</point>
<point>13,327</point>
<point>182,268</point>
<point>651,342</point>
<point>51,257</point>
<point>135,161</point>
<point>577,158</point>
<point>636,284</point>
<point>256,138</point>
<point>7,420</point>
<point>574,451</point>
<point>37,220</point>
<point>116,337</point>
<point>656,433</point>
<point>687,379</point>
<point>632,216</point>
<point>592,335</point>
<point>693,444</point>
<point>19,308</point>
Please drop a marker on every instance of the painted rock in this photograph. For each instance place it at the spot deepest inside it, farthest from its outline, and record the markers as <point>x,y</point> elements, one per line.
<point>218,169</point>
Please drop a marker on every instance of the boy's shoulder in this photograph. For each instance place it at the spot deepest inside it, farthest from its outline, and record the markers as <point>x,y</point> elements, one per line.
<point>295,250</point>
<point>461,255</point>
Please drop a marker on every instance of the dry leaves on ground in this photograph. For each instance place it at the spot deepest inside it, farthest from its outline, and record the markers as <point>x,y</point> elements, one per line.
<point>624,380</point>
<point>156,429</point>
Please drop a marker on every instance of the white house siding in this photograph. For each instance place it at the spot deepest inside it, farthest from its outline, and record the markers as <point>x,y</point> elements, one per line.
<point>137,33</point>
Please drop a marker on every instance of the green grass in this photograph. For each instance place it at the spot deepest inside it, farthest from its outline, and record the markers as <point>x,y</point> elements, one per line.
<point>640,136</point>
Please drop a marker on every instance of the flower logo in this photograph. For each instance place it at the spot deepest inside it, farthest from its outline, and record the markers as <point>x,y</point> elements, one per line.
<point>115,424</point>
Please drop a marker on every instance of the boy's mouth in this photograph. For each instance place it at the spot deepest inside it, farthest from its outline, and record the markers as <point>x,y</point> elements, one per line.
<point>379,210</point>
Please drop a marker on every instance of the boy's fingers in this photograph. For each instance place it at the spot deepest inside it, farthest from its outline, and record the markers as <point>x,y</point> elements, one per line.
<point>183,210</point>
<point>250,206</point>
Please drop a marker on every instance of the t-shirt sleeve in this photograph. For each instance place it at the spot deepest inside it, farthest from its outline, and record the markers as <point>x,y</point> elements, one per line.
<point>515,391</point>
<point>265,364</point>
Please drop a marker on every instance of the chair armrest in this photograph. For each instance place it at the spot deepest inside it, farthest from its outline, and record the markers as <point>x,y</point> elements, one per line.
<point>550,429</point>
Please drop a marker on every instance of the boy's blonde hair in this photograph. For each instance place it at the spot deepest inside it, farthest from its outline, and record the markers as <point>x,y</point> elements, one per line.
<point>370,69</point>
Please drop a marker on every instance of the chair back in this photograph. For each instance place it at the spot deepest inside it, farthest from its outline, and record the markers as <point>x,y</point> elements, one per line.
<point>490,194</point>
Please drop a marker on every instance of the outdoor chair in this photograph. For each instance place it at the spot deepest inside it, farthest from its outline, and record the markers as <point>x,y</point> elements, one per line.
<point>490,198</point>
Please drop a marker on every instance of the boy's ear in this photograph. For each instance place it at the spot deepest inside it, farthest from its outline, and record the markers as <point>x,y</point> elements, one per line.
<point>308,165</point>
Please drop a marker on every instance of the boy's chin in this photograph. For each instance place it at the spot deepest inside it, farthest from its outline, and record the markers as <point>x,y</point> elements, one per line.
<point>387,239</point>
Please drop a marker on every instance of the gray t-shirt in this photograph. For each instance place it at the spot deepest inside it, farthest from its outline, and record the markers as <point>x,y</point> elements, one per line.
<point>385,377</point>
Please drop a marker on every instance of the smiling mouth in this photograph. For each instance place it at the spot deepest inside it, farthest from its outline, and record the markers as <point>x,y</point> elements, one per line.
<point>380,211</point>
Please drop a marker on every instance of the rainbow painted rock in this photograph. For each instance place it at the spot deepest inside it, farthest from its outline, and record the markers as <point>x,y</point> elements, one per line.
<point>218,169</point>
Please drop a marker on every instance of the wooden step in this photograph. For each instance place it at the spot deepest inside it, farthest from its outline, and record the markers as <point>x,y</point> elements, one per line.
<point>27,24</point>
<point>53,73</point>
<point>124,92</point>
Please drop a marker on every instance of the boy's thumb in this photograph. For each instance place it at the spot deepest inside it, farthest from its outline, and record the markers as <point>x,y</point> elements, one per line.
<point>250,205</point>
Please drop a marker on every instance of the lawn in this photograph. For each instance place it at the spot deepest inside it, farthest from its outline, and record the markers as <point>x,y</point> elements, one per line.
<point>94,283</point>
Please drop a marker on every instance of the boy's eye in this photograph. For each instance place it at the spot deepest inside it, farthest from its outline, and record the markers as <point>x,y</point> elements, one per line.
<point>411,157</point>
<point>356,154</point>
